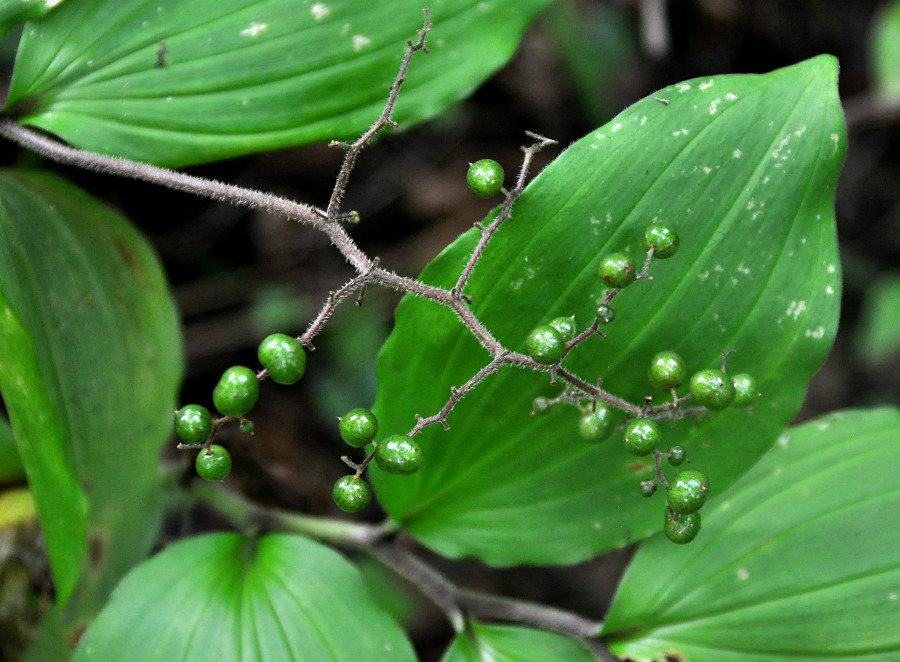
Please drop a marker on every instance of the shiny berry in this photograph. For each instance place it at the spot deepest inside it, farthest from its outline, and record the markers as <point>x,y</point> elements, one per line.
<point>682,529</point>
<point>688,491</point>
<point>677,455</point>
<point>358,427</point>
<point>648,488</point>
<point>712,389</point>
<point>399,454</point>
<point>236,392</point>
<point>247,426</point>
<point>485,178</point>
<point>605,314</point>
<point>745,392</point>
<point>193,424</point>
<point>617,270</point>
<point>597,424</point>
<point>545,345</point>
<point>284,358</point>
<point>662,239</point>
<point>565,326</point>
<point>642,435</point>
<point>666,371</point>
<point>213,463</point>
<point>351,494</point>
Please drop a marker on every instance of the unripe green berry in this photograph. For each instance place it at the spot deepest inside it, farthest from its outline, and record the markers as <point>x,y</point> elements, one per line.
<point>247,426</point>
<point>745,392</point>
<point>351,494</point>
<point>485,178</point>
<point>597,424</point>
<point>358,427</point>
<point>565,326</point>
<point>193,424</point>
<point>605,314</point>
<point>545,345</point>
<point>540,406</point>
<point>642,435</point>
<point>236,392</point>
<point>399,454</point>
<point>617,270</point>
<point>688,491</point>
<point>284,358</point>
<point>712,388</point>
<point>667,370</point>
<point>648,488</point>
<point>662,239</point>
<point>682,529</point>
<point>213,463</point>
<point>677,455</point>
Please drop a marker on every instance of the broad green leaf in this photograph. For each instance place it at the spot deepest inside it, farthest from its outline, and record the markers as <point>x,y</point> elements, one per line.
<point>744,167</point>
<point>175,82</point>
<point>886,50</point>
<point>223,597</point>
<point>105,360</point>
<point>878,338</point>
<point>504,643</point>
<point>11,468</point>
<point>798,560</point>
<point>17,11</point>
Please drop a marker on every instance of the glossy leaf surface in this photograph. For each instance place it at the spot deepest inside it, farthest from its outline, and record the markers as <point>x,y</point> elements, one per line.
<point>174,82</point>
<point>798,560</point>
<point>223,597</point>
<point>744,168</point>
<point>503,643</point>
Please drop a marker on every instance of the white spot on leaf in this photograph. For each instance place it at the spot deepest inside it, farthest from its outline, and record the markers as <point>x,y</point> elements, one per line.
<point>708,84</point>
<point>254,29</point>
<point>320,10</point>
<point>360,42</point>
<point>742,574</point>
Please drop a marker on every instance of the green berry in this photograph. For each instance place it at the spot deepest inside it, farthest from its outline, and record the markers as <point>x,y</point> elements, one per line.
<point>677,455</point>
<point>540,406</point>
<point>565,326</point>
<point>247,426</point>
<point>545,345</point>
<point>648,488</point>
<point>193,424</point>
<point>617,270</point>
<point>605,314</point>
<point>688,491</point>
<point>682,529</point>
<point>284,358</point>
<point>642,435</point>
<point>485,178</point>
<point>745,392</point>
<point>662,239</point>
<point>666,371</point>
<point>351,494</point>
<point>399,454</point>
<point>213,463</point>
<point>596,425</point>
<point>236,392</point>
<point>358,427</point>
<point>712,388</point>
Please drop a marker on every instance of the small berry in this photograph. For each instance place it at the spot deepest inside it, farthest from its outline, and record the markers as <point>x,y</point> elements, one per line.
<point>642,435</point>
<point>545,345</point>
<point>540,406</point>
<point>648,488</point>
<point>682,529</point>
<point>351,494</point>
<point>617,270</point>
<point>677,455</point>
<point>565,326</point>
<point>485,178</point>
<point>358,427</point>
<point>662,239</point>
<point>605,314</point>
<point>745,392</point>
<point>193,424</point>
<point>688,491</point>
<point>596,425</point>
<point>284,358</point>
<point>247,426</point>
<point>399,454</point>
<point>213,463</point>
<point>712,388</point>
<point>236,392</point>
<point>666,371</point>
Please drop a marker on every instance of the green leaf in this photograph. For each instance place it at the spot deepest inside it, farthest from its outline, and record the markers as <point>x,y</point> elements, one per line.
<point>175,82</point>
<point>223,597</point>
<point>744,168</point>
<point>504,643</point>
<point>18,11</point>
<point>886,50</point>
<point>879,331</point>
<point>105,358</point>
<point>11,469</point>
<point>799,559</point>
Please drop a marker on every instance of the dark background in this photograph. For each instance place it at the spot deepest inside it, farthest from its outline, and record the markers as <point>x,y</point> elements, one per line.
<point>238,275</point>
